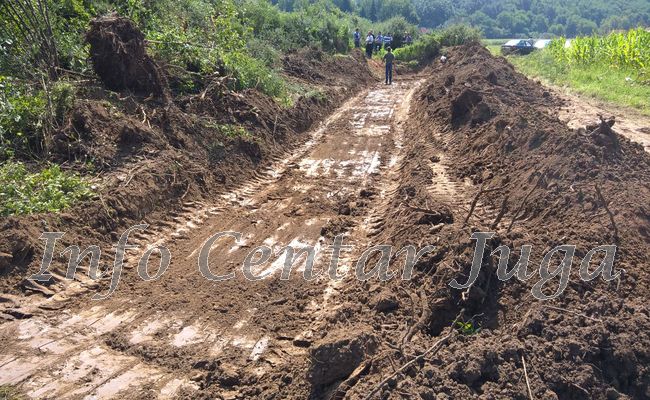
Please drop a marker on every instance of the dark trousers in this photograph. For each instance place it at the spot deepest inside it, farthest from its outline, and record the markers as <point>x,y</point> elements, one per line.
<point>357,44</point>
<point>389,73</point>
<point>369,50</point>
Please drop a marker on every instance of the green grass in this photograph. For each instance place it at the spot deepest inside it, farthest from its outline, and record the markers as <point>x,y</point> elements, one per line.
<point>50,190</point>
<point>601,81</point>
<point>495,49</point>
<point>494,42</point>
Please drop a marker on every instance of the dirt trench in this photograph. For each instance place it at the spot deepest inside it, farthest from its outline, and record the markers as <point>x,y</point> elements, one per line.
<point>183,334</point>
<point>464,147</point>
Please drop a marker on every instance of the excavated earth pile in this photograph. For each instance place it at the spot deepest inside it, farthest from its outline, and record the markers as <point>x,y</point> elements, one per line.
<point>487,153</point>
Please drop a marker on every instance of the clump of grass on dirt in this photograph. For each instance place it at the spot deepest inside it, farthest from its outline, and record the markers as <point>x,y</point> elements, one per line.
<point>50,190</point>
<point>233,131</point>
<point>615,85</point>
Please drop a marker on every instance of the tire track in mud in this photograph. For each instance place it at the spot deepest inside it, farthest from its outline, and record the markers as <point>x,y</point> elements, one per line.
<point>183,332</point>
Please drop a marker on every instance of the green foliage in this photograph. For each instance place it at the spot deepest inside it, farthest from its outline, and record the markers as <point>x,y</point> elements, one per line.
<point>423,50</point>
<point>25,115</point>
<point>456,35</point>
<point>198,35</point>
<point>382,10</point>
<point>50,190</point>
<point>624,50</point>
<point>618,85</point>
<point>467,328</point>
<point>253,73</point>
<point>428,46</point>
<point>233,131</point>
<point>320,24</point>
<point>536,18</point>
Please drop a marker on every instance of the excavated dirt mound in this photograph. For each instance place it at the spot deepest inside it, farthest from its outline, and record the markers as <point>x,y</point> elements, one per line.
<point>117,50</point>
<point>478,125</point>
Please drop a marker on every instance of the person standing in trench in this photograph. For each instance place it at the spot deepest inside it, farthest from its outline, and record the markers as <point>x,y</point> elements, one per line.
<point>389,57</point>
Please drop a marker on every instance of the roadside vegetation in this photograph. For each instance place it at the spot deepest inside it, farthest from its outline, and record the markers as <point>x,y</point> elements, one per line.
<point>49,190</point>
<point>505,18</point>
<point>613,68</point>
<point>429,46</point>
<point>44,68</point>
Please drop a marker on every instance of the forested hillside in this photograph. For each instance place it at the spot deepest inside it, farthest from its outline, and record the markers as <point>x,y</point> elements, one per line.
<point>505,18</point>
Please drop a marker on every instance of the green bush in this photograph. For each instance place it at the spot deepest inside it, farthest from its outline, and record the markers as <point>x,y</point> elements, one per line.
<point>320,24</point>
<point>456,35</point>
<point>423,50</point>
<point>252,73</point>
<point>50,190</point>
<point>427,47</point>
<point>25,115</point>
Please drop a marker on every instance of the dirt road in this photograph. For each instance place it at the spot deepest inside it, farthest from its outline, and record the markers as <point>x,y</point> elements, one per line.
<point>580,111</point>
<point>152,337</point>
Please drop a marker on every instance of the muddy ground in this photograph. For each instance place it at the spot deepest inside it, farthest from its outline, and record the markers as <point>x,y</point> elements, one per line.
<point>463,147</point>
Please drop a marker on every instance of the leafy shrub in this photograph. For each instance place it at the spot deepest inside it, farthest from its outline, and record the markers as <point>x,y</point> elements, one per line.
<point>320,24</point>
<point>423,50</point>
<point>252,73</point>
<point>262,51</point>
<point>50,190</point>
<point>427,47</point>
<point>25,116</point>
<point>456,35</point>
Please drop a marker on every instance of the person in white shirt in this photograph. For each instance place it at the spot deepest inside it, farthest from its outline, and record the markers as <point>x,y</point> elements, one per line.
<point>370,43</point>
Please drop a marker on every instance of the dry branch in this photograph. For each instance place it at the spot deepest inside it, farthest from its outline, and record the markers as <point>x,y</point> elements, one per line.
<point>530,392</point>
<point>475,201</point>
<point>502,212</point>
<point>609,212</point>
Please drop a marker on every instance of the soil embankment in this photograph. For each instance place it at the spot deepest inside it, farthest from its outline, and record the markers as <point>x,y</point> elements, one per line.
<point>486,152</point>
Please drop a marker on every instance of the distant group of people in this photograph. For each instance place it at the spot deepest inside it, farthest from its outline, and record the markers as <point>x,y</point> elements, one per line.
<point>374,44</point>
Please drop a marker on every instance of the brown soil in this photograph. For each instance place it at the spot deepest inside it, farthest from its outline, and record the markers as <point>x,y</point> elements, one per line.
<point>396,165</point>
<point>117,51</point>
<point>580,112</point>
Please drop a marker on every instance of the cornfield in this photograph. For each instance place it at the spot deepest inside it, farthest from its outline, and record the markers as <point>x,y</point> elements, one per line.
<point>625,50</point>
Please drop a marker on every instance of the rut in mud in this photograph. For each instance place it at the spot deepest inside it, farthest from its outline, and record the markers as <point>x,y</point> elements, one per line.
<point>182,332</point>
